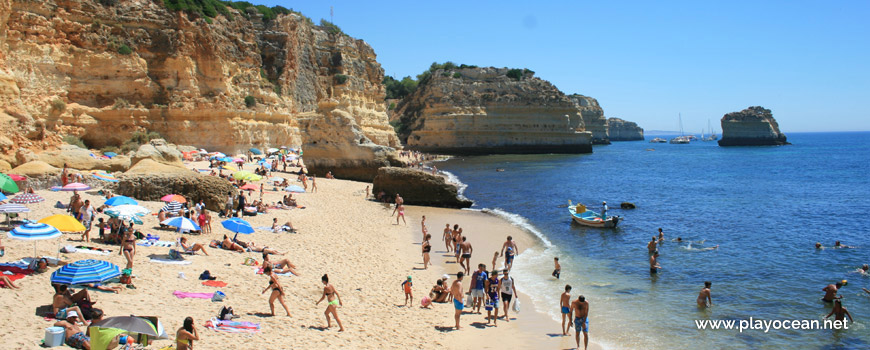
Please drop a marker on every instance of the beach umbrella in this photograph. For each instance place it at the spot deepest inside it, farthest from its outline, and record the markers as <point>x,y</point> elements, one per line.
<point>272,150</point>
<point>27,198</point>
<point>173,198</point>
<point>238,160</point>
<point>256,151</point>
<point>228,168</point>
<point>13,208</point>
<point>249,187</point>
<point>294,188</point>
<point>102,175</point>
<point>17,178</point>
<point>182,223</point>
<point>110,154</point>
<point>128,212</point>
<point>120,200</point>
<point>238,226</point>
<point>2,197</point>
<point>226,159</point>
<point>171,207</point>
<point>85,271</point>
<point>7,184</point>
<point>130,324</point>
<point>242,175</point>
<point>275,179</point>
<point>75,186</point>
<point>34,232</point>
<point>291,157</point>
<point>64,223</point>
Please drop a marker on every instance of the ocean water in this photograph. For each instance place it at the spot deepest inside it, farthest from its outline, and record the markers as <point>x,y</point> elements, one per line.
<point>764,207</point>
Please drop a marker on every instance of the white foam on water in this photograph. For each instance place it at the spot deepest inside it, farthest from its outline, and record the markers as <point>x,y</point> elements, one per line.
<point>460,186</point>
<point>521,222</point>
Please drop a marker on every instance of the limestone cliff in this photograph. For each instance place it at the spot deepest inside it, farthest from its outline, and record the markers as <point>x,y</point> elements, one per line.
<point>753,126</point>
<point>64,70</point>
<point>623,130</point>
<point>593,118</point>
<point>483,110</point>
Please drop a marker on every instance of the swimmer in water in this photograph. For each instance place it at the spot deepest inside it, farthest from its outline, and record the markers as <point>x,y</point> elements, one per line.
<point>704,298</point>
<point>679,239</point>
<point>819,246</point>
<point>690,248</point>
<point>864,270</point>
<point>838,245</point>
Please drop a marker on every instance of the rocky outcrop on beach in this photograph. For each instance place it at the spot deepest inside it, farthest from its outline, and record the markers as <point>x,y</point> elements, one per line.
<point>157,150</point>
<point>418,188</point>
<point>212,190</point>
<point>593,118</point>
<point>623,130</point>
<point>753,126</point>
<point>490,110</point>
<point>102,70</point>
<point>82,159</point>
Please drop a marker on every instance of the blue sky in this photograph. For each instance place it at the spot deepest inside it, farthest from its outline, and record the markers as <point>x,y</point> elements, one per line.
<point>644,61</point>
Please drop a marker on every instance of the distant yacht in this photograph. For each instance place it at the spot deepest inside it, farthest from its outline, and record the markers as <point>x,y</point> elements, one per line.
<point>658,140</point>
<point>712,136</point>
<point>681,139</point>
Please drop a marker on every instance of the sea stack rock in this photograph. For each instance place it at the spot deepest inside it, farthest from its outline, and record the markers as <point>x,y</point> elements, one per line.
<point>418,187</point>
<point>593,118</point>
<point>753,126</point>
<point>623,130</point>
<point>489,111</point>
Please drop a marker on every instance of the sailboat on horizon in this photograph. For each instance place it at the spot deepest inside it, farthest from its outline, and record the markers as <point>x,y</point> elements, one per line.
<point>679,140</point>
<point>712,136</point>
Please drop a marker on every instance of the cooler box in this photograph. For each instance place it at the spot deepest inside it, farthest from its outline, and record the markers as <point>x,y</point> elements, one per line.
<point>54,336</point>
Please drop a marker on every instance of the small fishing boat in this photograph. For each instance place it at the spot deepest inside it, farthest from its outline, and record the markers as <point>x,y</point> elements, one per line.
<point>583,216</point>
<point>680,140</point>
<point>658,140</point>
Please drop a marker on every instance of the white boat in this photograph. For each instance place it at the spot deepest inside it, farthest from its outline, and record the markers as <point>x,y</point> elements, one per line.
<point>658,140</point>
<point>680,140</point>
<point>583,216</point>
<point>712,136</point>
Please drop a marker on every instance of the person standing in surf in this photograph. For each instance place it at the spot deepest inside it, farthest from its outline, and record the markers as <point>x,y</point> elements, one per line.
<point>580,311</point>
<point>509,247</point>
<point>565,305</point>
<point>704,298</point>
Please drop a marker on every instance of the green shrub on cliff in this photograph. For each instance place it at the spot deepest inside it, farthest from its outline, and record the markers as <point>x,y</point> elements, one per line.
<point>125,50</point>
<point>250,101</point>
<point>340,79</point>
<point>73,140</point>
<point>457,75</point>
<point>399,88</point>
<point>515,74</point>
<point>330,27</point>
<point>211,8</point>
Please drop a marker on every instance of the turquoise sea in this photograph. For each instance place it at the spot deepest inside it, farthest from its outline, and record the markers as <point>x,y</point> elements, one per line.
<point>764,207</point>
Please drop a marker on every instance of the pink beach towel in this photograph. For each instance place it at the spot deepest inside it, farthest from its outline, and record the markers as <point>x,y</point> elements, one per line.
<point>182,295</point>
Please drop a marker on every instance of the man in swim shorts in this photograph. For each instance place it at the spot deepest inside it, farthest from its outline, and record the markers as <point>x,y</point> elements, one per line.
<point>653,263</point>
<point>510,247</point>
<point>704,298</point>
<point>831,292</point>
<point>580,311</point>
<point>478,282</point>
<point>456,292</point>
<point>74,335</point>
<point>465,260</point>
<point>508,289</point>
<point>565,305</point>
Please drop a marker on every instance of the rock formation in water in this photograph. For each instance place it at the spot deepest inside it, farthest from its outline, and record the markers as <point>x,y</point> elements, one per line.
<point>593,118</point>
<point>418,188</point>
<point>102,72</point>
<point>753,126</point>
<point>490,110</point>
<point>623,130</point>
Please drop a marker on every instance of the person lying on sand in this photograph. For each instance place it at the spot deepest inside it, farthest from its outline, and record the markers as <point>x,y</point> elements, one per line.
<point>7,282</point>
<point>75,338</point>
<point>227,244</point>
<point>287,227</point>
<point>100,286</point>
<point>264,249</point>
<point>191,249</point>
<point>280,266</point>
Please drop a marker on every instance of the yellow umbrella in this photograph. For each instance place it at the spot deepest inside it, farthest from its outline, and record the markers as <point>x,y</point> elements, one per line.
<point>63,223</point>
<point>228,168</point>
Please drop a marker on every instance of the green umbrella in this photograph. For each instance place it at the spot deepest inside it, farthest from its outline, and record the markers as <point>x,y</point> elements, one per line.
<point>7,184</point>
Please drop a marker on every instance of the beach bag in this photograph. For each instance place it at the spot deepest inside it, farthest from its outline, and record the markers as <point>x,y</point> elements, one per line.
<point>173,254</point>
<point>250,262</point>
<point>218,296</point>
<point>469,301</point>
<point>517,305</point>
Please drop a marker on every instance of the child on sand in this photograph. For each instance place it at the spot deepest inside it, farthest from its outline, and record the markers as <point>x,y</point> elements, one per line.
<point>558,271</point>
<point>406,286</point>
<point>494,258</point>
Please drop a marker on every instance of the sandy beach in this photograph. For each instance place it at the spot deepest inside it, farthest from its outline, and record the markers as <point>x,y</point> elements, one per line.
<point>353,240</point>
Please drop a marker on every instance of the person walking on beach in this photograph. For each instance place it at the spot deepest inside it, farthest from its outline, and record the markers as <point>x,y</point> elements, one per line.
<point>653,263</point>
<point>277,290</point>
<point>457,241</point>
<point>409,295</point>
<point>508,290</point>
<point>229,206</point>
<point>128,246</point>
<point>831,292</point>
<point>651,246</point>
<point>240,210</point>
<point>465,260</point>
<point>704,298</point>
<point>399,201</point>
<point>401,209</point>
<point>494,258</point>
<point>476,289</point>
<point>86,212</point>
<point>492,290</point>
<point>580,311</point>
<point>448,238</point>
<point>185,335</point>
<point>510,248</point>
<point>333,302</point>
<point>557,271</point>
<point>456,293</point>
<point>313,184</point>
<point>565,309</point>
<point>427,247</point>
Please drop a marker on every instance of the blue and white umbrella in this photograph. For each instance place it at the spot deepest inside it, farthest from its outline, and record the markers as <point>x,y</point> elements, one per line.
<point>182,223</point>
<point>294,188</point>
<point>128,212</point>
<point>171,207</point>
<point>13,208</point>
<point>120,200</point>
<point>85,271</point>
<point>34,231</point>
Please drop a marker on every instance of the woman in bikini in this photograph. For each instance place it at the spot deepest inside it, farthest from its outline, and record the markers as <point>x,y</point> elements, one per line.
<point>277,290</point>
<point>280,266</point>
<point>333,301</point>
<point>185,335</point>
<point>128,247</point>
<point>230,245</point>
<point>264,249</point>
<point>427,247</point>
<point>401,209</point>
<point>191,249</point>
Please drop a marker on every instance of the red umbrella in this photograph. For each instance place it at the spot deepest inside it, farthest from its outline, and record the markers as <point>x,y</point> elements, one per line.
<point>249,187</point>
<point>173,197</point>
<point>17,177</point>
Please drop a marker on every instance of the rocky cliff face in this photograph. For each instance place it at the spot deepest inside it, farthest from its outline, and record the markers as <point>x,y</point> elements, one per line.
<point>593,118</point>
<point>63,71</point>
<point>482,110</point>
<point>753,126</point>
<point>623,130</point>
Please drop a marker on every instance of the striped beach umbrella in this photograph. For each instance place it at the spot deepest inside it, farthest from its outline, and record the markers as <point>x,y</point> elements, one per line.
<point>34,231</point>
<point>13,208</point>
<point>75,186</point>
<point>27,198</point>
<point>182,223</point>
<point>120,200</point>
<point>7,184</point>
<point>102,175</point>
<point>85,271</point>
<point>173,198</point>
<point>128,212</point>
<point>171,207</point>
<point>64,223</point>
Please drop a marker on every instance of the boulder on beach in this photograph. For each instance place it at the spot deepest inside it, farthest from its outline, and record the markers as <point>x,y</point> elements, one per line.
<point>419,188</point>
<point>150,166</point>
<point>35,169</point>
<point>159,151</point>
<point>212,190</point>
<point>82,159</point>
<point>5,166</point>
<point>753,126</point>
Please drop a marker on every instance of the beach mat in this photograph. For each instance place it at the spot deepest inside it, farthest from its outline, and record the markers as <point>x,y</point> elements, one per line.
<point>232,326</point>
<point>219,284</point>
<point>183,295</point>
<point>167,244</point>
<point>171,261</point>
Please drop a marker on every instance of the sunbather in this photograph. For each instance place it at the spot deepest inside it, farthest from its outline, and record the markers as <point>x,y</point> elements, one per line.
<point>264,249</point>
<point>7,282</point>
<point>230,245</point>
<point>191,249</point>
<point>288,227</point>
<point>63,300</point>
<point>280,266</point>
<point>75,338</point>
<point>103,287</point>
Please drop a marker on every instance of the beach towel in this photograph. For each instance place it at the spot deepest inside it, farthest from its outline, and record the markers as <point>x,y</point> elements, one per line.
<point>182,295</point>
<point>218,284</point>
<point>14,273</point>
<point>171,261</point>
<point>156,244</point>
<point>232,326</point>
<point>84,250</point>
<point>287,274</point>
